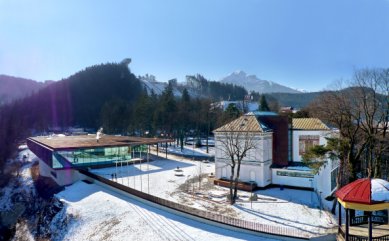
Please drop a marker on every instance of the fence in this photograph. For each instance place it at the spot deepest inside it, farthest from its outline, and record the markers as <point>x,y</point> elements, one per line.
<point>352,237</point>
<point>376,219</point>
<point>238,223</point>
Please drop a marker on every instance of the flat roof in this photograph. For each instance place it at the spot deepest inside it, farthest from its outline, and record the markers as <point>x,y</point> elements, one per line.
<point>89,141</point>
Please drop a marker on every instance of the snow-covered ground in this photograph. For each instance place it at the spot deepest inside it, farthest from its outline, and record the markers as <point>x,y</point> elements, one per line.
<point>160,177</point>
<point>93,212</point>
<point>101,214</point>
<point>295,209</point>
<point>190,151</point>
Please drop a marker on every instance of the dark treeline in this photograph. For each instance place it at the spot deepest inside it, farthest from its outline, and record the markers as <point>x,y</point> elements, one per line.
<point>109,95</point>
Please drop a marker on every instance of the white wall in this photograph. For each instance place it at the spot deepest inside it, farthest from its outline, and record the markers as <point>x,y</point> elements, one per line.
<point>291,181</point>
<point>255,166</point>
<point>298,133</point>
<point>323,178</point>
<point>62,178</point>
<point>260,173</point>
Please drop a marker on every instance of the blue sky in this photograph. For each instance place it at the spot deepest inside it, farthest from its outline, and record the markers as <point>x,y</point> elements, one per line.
<point>299,43</point>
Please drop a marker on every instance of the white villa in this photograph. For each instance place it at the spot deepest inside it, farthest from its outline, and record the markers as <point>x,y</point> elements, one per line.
<point>277,153</point>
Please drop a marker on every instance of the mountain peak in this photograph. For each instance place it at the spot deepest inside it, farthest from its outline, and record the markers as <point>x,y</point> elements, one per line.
<point>239,72</point>
<point>252,83</point>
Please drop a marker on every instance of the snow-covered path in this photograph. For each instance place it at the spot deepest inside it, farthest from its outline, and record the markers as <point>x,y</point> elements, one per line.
<point>102,214</point>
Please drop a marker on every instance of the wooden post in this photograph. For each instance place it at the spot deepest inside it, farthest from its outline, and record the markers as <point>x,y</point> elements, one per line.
<point>157,149</point>
<point>370,227</point>
<point>347,224</point>
<point>166,150</point>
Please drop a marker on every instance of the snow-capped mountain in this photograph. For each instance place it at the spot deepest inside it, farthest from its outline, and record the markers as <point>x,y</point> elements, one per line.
<point>253,83</point>
<point>151,84</point>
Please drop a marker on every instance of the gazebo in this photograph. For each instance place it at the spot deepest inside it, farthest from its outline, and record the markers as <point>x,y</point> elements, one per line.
<point>368,195</point>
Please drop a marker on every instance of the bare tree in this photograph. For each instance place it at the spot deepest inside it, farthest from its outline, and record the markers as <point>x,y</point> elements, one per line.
<point>336,108</point>
<point>370,102</point>
<point>235,145</point>
<point>361,113</point>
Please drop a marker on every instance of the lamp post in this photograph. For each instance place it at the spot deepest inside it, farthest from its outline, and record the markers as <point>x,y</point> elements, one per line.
<point>121,165</point>
<point>251,198</point>
<point>140,175</point>
<point>148,172</point>
<point>116,169</point>
<point>128,173</point>
<point>208,130</point>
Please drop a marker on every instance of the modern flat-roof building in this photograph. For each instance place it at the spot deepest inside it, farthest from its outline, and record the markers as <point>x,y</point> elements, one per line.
<point>61,156</point>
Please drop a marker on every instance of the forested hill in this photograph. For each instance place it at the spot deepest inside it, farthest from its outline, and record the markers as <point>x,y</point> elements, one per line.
<point>12,88</point>
<point>96,86</point>
<point>296,100</point>
<point>78,99</point>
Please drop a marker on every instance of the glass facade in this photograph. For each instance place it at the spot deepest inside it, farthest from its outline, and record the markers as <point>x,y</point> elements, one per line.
<point>95,156</point>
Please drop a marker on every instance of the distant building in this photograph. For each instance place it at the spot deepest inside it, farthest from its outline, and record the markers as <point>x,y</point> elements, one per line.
<point>243,106</point>
<point>278,154</point>
<point>74,131</point>
<point>286,109</point>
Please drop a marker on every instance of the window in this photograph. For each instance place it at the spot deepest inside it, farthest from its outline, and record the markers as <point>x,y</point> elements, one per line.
<point>96,156</point>
<point>334,174</point>
<point>294,174</point>
<point>306,142</point>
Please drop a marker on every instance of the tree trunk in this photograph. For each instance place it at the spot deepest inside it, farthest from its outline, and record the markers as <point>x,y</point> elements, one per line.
<point>236,182</point>
<point>232,185</point>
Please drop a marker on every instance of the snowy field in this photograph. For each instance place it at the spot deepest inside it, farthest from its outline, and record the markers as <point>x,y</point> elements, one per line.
<point>102,214</point>
<point>159,178</point>
<point>295,209</point>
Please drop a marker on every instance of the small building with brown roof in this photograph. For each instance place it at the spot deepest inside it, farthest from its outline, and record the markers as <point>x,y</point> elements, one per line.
<point>247,133</point>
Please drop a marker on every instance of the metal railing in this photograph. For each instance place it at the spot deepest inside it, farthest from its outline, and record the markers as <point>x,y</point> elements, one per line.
<point>352,237</point>
<point>376,219</point>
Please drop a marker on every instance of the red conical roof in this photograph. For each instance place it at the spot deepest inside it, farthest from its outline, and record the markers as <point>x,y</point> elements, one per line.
<point>358,191</point>
<point>365,191</point>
